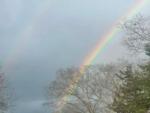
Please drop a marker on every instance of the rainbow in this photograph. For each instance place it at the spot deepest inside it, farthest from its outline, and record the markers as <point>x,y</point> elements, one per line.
<point>105,40</point>
<point>24,37</point>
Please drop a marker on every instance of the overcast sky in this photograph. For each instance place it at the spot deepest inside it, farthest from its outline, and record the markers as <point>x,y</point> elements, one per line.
<point>39,37</point>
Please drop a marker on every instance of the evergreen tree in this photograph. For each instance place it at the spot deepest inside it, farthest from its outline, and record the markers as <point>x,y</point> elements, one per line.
<point>134,94</point>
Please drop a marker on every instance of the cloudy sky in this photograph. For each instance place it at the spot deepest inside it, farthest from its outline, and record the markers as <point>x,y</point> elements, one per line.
<point>37,37</point>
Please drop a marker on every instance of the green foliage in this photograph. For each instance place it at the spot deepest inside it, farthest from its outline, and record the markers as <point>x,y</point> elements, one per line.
<point>134,94</point>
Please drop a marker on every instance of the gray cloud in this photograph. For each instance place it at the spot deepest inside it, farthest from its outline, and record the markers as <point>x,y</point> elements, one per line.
<point>35,106</point>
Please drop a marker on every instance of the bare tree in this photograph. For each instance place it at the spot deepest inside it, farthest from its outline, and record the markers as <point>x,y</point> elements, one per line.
<point>4,97</point>
<point>91,94</point>
<point>137,33</point>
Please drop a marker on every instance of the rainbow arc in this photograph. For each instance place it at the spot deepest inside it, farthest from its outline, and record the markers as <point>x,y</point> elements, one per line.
<point>104,41</point>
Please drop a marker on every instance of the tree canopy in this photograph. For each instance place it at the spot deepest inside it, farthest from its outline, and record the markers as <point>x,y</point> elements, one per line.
<point>92,93</point>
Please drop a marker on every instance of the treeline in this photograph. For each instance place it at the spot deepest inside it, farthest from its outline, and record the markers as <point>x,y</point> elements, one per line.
<point>120,87</point>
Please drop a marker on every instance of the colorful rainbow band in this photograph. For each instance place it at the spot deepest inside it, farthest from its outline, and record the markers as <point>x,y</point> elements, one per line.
<point>105,40</point>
